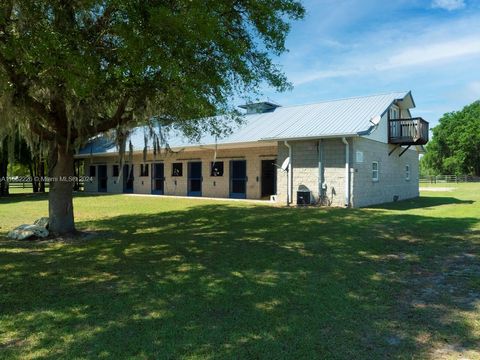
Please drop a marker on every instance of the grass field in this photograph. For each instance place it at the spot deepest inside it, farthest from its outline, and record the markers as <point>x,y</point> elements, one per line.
<point>190,279</point>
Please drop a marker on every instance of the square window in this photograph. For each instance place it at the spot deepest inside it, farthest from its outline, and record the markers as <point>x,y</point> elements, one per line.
<point>92,171</point>
<point>177,169</point>
<point>217,168</point>
<point>115,170</point>
<point>407,172</point>
<point>375,171</point>
<point>143,169</point>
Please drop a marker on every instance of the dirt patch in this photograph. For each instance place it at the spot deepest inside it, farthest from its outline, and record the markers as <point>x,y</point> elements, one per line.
<point>444,291</point>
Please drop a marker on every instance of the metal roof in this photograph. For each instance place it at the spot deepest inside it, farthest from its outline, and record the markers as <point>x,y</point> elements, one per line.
<point>343,117</point>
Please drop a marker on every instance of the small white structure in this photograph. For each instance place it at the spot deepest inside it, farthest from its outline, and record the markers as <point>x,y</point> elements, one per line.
<point>348,152</point>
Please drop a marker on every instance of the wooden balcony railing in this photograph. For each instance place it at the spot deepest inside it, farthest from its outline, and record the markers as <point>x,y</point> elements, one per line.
<point>413,131</point>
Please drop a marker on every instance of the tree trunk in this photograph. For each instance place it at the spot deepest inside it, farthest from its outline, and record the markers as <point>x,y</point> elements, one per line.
<point>3,169</point>
<point>3,177</point>
<point>32,176</point>
<point>60,196</point>
<point>41,173</point>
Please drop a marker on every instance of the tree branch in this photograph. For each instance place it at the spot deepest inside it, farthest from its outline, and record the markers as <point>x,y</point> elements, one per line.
<point>116,120</point>
<point>40,130</point>
<point>31,104</point>
<point>7,14</point>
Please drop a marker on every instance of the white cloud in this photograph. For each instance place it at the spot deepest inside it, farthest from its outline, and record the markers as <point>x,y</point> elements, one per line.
<point>415,46</point>
<point>423,54</point>
<point>448,4</point>
<point>429,53</point>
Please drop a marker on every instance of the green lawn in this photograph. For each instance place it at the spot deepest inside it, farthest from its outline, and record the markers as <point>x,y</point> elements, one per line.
<point>190,279</point>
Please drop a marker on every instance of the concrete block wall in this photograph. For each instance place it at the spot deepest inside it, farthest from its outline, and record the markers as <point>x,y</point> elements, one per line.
<point>212,186</point>
<point>392,180</point>
<point>305,168</point>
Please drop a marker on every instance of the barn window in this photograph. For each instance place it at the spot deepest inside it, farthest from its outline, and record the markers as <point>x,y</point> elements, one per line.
<point>217,168</point>
<point>375,171</point>
<point>143,169</point>
<point>92,171</point>
<point>115,170</point>
<point>359,156</point>
<point>177,169</point>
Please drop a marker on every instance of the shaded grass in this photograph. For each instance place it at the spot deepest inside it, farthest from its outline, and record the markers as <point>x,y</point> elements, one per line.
<point>175,278</point>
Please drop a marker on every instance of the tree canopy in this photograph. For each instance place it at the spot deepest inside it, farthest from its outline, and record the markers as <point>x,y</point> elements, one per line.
<point>70,70</point>
<point>455,146</point>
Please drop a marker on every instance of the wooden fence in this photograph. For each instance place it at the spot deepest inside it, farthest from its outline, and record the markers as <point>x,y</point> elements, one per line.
<point>27,186</point>
<point>433,179</point>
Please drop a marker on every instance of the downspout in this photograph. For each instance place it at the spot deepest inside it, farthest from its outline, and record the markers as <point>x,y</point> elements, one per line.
<point>321,174</point>
<point>289,174</point>
<point>347,172</point>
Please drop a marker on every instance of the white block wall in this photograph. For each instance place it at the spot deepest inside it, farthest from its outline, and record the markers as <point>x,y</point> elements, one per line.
<point>363,191</point>
<point>211,186</point>
<point>392,180</point>
<point>305,167</point>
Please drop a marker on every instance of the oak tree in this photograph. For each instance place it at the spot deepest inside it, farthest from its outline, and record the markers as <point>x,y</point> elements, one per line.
<point>70,70</point>
<point>455,146</point>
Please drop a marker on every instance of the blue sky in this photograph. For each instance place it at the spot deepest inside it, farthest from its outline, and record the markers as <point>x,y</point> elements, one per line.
<point>358,47</point>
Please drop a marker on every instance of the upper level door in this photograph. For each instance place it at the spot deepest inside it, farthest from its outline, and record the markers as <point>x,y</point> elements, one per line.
<point>195,178</point>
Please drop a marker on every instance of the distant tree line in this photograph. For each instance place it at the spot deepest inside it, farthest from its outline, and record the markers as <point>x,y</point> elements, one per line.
<point>15,151</point>
<point>455,145</point>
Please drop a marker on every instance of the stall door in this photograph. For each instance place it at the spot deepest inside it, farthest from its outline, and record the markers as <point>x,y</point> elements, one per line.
<point>158,179</point>
<point>102,178</point>
<point>238,179</point>
<point>128,178</point>
<point>195,178</point>
<point>269,175</point>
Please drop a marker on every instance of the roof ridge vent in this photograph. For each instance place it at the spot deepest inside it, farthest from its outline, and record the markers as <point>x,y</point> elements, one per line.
<point>260,107</point>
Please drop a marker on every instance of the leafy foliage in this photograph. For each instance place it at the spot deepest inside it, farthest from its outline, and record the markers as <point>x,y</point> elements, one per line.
<point>76,68</point>
<point>70,70</point>
<point>455,147</point>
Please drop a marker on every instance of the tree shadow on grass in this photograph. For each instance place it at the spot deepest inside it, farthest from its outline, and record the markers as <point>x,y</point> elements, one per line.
<point>223,281</point>
<point>421,202</point>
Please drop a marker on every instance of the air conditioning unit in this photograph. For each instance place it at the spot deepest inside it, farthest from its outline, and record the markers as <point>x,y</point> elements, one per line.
<point>304,198</point>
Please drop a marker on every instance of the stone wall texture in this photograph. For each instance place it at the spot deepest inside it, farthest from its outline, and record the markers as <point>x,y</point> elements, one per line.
<point>212,186</point>
<point>307,156</point>
<point>392,180</point>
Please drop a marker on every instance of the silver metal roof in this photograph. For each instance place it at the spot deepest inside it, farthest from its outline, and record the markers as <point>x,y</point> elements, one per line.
<point>343,117</point>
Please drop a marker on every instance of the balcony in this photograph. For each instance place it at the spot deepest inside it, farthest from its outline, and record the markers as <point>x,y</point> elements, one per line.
<point>413,131</point>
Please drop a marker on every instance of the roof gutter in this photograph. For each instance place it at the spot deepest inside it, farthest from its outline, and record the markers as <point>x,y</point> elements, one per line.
<point>347,172</point>
<point>334,136</point>
<point>289,174</point>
